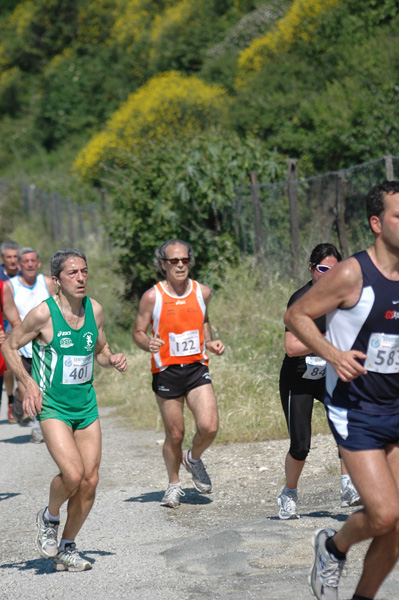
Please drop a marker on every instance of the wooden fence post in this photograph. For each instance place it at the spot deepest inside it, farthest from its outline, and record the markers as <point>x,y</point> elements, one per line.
<point>340,215</point>
<point>259,238</point>
<point>31,196</point>
<point>292,164</point>
<point>388,167</point>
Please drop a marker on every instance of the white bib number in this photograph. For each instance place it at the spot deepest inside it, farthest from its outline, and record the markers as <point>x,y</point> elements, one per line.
<point>77,369</point>
<point>184,344</point>
<point>383,353</point>
<point>315,367</point>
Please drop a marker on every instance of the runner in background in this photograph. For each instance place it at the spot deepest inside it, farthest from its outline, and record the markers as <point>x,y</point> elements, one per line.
<point>181,337</point>
<point>9,268</point>
<point>29,289</point>
<point>302,380</point>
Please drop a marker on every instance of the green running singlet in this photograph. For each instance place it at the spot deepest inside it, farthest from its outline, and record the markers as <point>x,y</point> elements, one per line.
<point>63,369</point>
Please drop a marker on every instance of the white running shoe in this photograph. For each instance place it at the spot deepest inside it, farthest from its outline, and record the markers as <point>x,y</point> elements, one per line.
<point>201,480</point>
<point>287,503</point>
<point>46,541</point>
<point>350,496</point>
<point>70,560</point>
<point>326,570</point>
<point>172,496</point>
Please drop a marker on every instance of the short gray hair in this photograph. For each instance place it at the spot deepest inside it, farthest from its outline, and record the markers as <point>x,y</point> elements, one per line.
<point>27,250</point>
<point>9,245</point>
<point>160,253</point>
<point>58,259</point>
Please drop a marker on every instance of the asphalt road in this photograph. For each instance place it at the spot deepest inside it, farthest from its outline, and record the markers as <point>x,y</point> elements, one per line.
<point>229,545</point>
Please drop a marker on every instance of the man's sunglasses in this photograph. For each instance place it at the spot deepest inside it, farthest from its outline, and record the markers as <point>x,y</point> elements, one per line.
<point>175,261</point>
<point>322,268</point>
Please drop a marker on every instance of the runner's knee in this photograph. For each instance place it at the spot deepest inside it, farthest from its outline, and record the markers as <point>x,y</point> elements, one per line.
<point>384,519</point>
<point>299,452</point>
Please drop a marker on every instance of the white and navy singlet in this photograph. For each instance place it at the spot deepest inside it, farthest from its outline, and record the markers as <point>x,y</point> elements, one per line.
<point>372,326</point>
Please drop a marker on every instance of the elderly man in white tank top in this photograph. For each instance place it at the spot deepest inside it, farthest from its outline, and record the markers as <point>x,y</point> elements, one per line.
<point>29,289</point>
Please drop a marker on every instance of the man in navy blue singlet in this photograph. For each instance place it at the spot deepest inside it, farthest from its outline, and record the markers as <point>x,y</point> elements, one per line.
<point>361,299</point>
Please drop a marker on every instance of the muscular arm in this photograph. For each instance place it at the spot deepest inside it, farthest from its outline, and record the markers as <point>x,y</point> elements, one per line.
<point>293,346</point>
<point>143,320</point>
<point>32,327</point>
<point>214,346</point>
<point>104,356</point>
<point>340,287</point>
<point>10,312</point>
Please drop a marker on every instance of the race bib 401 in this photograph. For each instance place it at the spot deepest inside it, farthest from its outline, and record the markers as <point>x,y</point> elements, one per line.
<point>77,369</point>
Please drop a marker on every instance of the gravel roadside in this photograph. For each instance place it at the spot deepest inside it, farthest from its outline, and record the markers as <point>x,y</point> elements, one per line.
<point>229,545</point>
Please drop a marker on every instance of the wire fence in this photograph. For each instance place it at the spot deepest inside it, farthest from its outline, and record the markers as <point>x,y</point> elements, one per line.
<point>288,218</point>
<point>269,220</point>
<point>63,219</point>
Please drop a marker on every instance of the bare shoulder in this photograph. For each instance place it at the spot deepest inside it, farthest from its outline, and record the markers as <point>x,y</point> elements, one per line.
<point>147,301</point>
<point>206,291</point>
<point>341,286</point>
<point>97,308</point>
<point>39,316</point>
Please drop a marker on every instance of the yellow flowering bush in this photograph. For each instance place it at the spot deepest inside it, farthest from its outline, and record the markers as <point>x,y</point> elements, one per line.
<point>297,24</point>
<point>134,20</point>
<point>166,104</point>
<point>20,20</point>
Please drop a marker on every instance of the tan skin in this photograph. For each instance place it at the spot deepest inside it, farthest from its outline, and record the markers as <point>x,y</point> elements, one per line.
<point>76,453</point>
<point>201,401</point>
<point>294,347</point>
<point>10,261</point>
<point>375,473</point>
<point>10,312</point>
<point>29,265</point>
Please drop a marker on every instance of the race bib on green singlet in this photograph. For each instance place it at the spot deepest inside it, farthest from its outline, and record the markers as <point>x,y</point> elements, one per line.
<point>383,353</point>
<point>184,344</point>
<point>315,367</point>
<point>77,369</point>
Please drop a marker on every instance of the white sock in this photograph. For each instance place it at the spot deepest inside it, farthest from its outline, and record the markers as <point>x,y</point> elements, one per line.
<point>287,490</point>
<point>49,517</point>
<point>174,484</point>
<point>64,542</point>
<point>191,459</point>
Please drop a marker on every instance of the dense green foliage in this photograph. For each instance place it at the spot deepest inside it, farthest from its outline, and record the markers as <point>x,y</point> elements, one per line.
<point>331,100</point>
<point>220,87</point>
<point>167,191</point>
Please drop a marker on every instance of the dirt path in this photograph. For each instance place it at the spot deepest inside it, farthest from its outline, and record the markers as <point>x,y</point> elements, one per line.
<point>226,546</point>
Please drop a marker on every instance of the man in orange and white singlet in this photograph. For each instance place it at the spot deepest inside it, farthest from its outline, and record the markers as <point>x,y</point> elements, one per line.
<point>181,337</point>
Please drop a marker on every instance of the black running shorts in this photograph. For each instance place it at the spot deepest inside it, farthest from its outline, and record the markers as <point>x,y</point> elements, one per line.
<point>175,381</point>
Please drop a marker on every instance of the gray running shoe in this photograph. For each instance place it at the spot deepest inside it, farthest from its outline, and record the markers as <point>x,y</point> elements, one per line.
<point>70,560</point>
<point>350,496</point>
<point>172,496</point>
<point>46,541</point>
<point>36,436</point>
<point>287,503</point>
<point>326,571</point>
<point>201,480</point>
<point>17,410</point>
